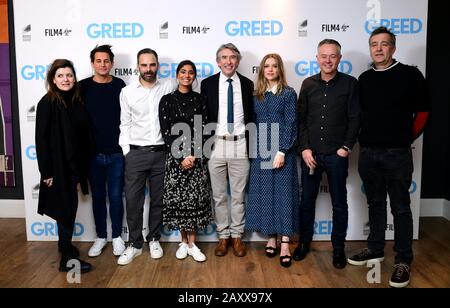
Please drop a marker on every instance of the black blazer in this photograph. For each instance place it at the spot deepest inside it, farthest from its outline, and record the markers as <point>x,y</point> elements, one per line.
<point>210,91</point>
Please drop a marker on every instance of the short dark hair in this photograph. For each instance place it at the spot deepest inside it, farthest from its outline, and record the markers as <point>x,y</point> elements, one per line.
<point>187,62</point>
<point>102,48</point>
<point>380,30</point>
<point>149,51</point>
<point>329,41</point>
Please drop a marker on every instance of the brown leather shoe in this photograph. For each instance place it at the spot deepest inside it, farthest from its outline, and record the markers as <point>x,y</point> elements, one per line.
<point>238,247</point>
<point>222,248</point>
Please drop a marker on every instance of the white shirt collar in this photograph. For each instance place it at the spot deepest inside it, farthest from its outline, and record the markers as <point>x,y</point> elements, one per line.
<point>138,84</point>
<point>273,89</point>
<point>224,78</point>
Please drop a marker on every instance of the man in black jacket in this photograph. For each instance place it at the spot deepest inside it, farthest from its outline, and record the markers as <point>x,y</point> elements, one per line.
<point>329,123</point>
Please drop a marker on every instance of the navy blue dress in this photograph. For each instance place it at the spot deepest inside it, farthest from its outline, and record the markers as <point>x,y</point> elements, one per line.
<point>272,205</point>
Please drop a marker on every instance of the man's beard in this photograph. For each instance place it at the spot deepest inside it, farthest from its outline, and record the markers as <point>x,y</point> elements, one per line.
<point>149,77</point>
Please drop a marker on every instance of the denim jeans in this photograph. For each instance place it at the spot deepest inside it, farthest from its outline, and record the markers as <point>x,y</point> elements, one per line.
<point>383,172</point>
<point>107,170</point>
<point>336,168</point>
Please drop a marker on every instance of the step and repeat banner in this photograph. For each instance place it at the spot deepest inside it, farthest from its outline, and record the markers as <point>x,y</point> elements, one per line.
<point>178,30</point>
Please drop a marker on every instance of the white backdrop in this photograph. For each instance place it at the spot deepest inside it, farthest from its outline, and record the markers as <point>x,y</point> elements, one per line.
<point>178,30</point>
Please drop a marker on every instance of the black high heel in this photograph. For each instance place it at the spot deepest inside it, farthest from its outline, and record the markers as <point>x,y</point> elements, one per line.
<point>285,260</point>
<point>271,251</point>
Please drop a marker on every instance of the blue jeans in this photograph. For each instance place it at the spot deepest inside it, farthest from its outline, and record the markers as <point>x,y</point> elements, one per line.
<point>383,172</point>
<point>107,169</point>
<point>336,168</point>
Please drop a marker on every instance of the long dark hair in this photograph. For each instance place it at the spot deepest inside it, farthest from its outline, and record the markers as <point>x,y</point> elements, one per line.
<point>52,90</point>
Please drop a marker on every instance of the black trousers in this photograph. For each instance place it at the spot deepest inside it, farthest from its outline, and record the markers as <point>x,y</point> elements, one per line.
<point>65,229</point>
<point>140,166</point>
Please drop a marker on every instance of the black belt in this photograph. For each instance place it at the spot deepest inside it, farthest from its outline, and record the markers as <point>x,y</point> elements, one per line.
<point>231,137</point>
<point>150,148</point>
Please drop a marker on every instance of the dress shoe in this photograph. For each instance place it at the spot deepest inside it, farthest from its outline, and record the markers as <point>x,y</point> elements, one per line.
<point>222,248</point>
<point>339,258</point>
<point>69,263</point>
<point>238,247</point>
<point>301,251</point>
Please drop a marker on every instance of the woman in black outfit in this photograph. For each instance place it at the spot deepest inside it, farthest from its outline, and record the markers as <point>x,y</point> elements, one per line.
<point>187,201</point>
<point>63,147</point>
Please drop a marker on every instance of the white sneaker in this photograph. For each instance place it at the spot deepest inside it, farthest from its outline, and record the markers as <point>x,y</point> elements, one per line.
<point>182,251</point>
<point>156,251</point>
<point>97,247</point>
<point>196,253</point>
<point>118,246</point>
<point>128,255</point>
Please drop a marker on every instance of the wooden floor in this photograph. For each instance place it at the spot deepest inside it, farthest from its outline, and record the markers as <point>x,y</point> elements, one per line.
<point>35,264</point>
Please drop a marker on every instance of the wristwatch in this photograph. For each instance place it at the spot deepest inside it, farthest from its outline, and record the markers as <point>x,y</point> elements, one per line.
<point>346,148</point>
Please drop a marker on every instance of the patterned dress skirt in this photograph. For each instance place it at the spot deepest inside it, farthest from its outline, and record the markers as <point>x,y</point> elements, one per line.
<point>187,199</point>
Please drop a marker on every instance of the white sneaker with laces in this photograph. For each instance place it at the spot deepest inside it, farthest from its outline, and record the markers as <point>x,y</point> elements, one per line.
<point>156,251</point>
<point>196,253</point>
<point>97,247</point>
<point>118,246</point>
<point>182,251</point>
<point>128,255</point>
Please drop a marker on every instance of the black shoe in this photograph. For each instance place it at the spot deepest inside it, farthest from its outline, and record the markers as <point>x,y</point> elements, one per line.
<point>339,259</point>
<point>364,256</point>
<point>65,267</point>
<point>271,251</point>
<point>70,250</point>
<point>285,260</point>
<point>401,275</point>
<point>301,251</point>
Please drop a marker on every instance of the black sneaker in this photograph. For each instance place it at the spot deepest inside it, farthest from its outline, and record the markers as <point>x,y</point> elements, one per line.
<point>400,276</point>
<point>364,256</point>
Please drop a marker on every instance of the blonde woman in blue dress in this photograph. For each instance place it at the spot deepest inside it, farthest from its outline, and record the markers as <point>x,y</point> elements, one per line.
<point>272,206</point>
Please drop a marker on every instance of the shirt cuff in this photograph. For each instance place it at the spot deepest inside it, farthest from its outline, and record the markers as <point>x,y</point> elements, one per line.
<point>125,149</point>
<point>281,153</point>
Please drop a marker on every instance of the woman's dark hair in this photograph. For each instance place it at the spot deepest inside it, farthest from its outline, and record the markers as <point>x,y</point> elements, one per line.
<point>52,90</point>
<point>187,62</point>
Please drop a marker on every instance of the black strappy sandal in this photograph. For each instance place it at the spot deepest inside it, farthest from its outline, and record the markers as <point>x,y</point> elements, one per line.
<point>286,260</point>
<point>271,251</point>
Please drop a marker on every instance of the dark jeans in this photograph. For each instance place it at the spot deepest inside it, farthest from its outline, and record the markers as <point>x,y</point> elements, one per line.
<point>388,171</point>
<point>107,170</point>
<point>140,166</point>
<point>336,168</point>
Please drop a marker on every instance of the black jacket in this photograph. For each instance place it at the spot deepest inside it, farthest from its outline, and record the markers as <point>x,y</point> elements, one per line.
<point>64,145</point>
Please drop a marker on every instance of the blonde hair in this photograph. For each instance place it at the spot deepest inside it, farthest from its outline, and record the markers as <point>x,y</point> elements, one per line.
<point>262,83</point>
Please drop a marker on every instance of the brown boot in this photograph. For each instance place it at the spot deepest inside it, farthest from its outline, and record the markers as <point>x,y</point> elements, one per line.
<point>238,247</point>
<point>222,248</point>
